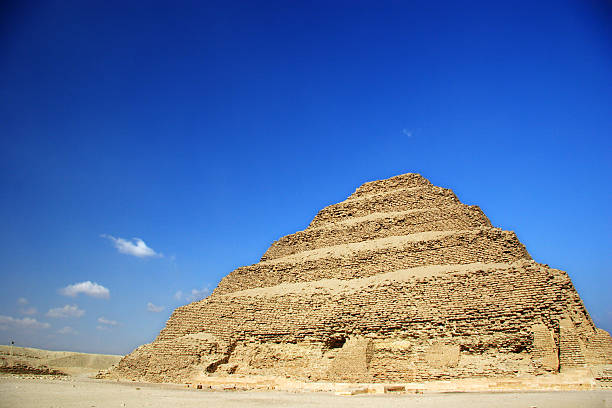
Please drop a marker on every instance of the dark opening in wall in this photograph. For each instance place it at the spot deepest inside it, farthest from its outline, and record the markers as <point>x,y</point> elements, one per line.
<point>335,342</point>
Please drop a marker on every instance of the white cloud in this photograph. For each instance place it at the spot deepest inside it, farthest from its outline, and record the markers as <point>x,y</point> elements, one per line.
<point>153,308</point>
<point>7,322</point>
<point>407,132</point>
<point>194,295</point>
<point>135,247</point>
<point>102,327</point>
<point>106,321</point>
<point>67,330</point>
<point>66,311</point>
<point>198,294</point>
<point>28,311</point>
<point>88,288</point>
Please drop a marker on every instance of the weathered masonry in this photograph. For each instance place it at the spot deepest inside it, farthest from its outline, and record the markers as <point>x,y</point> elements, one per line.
<point>399,282</point>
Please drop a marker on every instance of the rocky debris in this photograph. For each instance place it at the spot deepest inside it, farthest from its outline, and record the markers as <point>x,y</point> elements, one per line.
<point>25,369</point>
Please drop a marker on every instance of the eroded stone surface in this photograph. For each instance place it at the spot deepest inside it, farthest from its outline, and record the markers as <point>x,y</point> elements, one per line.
<point>399,282</point>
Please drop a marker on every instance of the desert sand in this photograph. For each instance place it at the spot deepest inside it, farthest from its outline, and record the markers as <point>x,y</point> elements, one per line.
<point>66,362</point>
<point>68,392</point>
<point>79,389</point>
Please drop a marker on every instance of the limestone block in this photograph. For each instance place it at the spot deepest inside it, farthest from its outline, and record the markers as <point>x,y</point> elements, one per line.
<point>571,347</point>
<point>441,355</point>
<point>544,350</point>
<point>352,361</point>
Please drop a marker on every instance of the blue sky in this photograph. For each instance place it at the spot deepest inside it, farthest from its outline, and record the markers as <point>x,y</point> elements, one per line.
<point>209,130</point>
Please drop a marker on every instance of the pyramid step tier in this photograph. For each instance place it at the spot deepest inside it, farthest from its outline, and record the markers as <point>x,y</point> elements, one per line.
<point>397,200</point>
<point>392,184</point>
<point>380,225</point>
<point>362,259</point>
<point>464,300</point>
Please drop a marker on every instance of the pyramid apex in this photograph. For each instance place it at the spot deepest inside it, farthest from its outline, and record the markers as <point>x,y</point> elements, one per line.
<point>401,181</point>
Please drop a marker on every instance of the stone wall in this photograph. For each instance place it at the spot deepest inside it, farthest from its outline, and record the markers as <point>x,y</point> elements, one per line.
<point>482,301</point>
<point>486,314</point>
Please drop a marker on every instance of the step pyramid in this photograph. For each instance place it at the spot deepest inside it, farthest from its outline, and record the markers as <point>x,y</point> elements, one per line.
<point>399,282</point>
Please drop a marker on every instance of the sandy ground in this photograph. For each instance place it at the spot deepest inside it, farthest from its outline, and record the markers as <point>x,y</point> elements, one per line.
<point>65,361</point>
<point>85,392</point>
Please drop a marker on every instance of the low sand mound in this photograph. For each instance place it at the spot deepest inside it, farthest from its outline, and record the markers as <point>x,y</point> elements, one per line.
<point>41,361</point>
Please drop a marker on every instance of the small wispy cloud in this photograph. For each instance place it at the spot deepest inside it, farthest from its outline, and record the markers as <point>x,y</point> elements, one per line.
<point>193,295</point>
<point>154,308</point>
<point>29,311</point>
<point>107,322</point>
<point>66,311</point>
<point>136,247</point>
<point>88,288</point>
<point>26,310</point>
<point>67,330</point>
<point>8,322</point>
<point>198,294</point>
<point>407,132</point>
